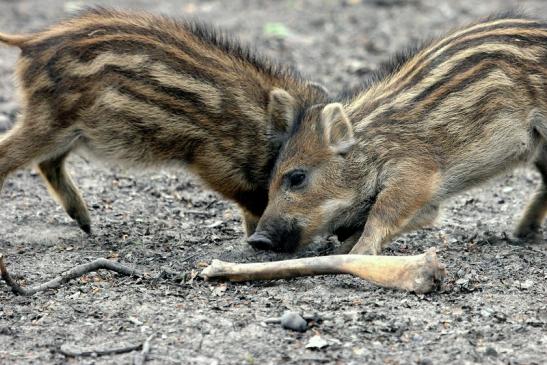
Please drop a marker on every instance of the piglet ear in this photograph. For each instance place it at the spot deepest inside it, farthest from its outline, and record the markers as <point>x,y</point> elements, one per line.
<point>337,129</point>
<point>281,111</point>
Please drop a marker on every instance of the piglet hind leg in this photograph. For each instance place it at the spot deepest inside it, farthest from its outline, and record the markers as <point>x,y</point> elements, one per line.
<point>33,138</point>
<point>62,189</point>
<point>26,142</point>
<point>529,226</point>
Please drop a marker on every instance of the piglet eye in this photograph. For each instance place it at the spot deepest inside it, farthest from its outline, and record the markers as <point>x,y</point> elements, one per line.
<point>296,179</point>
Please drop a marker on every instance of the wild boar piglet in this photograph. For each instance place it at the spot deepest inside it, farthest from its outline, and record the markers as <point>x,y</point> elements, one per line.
<point>144,90</point>
<point>437,121</point>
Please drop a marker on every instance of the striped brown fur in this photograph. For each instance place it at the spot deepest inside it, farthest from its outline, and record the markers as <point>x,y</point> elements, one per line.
<point>150,91</point>
<point>446,117</point>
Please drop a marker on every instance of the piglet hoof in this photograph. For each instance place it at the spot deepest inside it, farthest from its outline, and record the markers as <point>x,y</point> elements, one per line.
<point>86,228</point>
<point>528,235</point>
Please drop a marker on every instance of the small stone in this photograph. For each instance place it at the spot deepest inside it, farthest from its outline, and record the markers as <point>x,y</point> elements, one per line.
<point>487,312</point>
<point>317,342</point>
<point>490,351</point>
<point>425,361</point>
<point>293,321</point>
<point>500,317</point>
<point>7,331</point>
<point>417,338</point>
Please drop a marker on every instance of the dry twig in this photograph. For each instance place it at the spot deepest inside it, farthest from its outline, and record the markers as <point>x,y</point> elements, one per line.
<point>71,274</point>
<point>67,351</point>
<point>141,357</point>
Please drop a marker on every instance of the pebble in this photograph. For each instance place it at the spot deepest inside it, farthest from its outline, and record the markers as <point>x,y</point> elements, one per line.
<point>293,321</point>
<point>7,331</point>
<point>490,351</point>
<point>487,312</point>
<point>417,338</point>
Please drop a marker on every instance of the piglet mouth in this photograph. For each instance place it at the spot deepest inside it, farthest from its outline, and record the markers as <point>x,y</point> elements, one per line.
<point>260,241</point>
<point>282,237</point>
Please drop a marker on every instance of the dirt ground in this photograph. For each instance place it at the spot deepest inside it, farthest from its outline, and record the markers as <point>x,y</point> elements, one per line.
<point>492,307</point>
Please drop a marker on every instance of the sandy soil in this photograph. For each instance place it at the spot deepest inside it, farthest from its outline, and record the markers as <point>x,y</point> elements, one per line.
<point>492,308</point>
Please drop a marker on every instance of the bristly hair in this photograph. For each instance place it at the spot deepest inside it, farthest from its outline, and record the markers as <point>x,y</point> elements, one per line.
<point>395,62</point>
<point>233,46</point>
<point>211,35</point>
<point>385,69</point>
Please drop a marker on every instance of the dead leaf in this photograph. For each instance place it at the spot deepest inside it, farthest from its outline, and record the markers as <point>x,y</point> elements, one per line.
<point>316,343</point>
<point>219,290</point>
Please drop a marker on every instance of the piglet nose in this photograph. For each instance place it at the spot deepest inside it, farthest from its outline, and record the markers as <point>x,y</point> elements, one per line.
<point>260,241</point>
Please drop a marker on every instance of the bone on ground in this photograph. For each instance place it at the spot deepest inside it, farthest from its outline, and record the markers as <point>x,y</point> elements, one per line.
<point>419,273</point>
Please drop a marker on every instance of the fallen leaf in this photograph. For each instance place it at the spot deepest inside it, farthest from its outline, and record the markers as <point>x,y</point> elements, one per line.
<point>277,30</point>
<point>219,290</point>
<point>215,224</point>
<point>317,342</point>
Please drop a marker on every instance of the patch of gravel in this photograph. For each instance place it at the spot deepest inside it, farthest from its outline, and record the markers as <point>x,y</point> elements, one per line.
<point>492,308</point>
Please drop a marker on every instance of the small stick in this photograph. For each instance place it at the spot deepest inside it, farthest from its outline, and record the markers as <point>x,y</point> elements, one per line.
<point>420,273</point>
<point>65,350</point>
<point>141,357</point>
<point>73,273</point>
